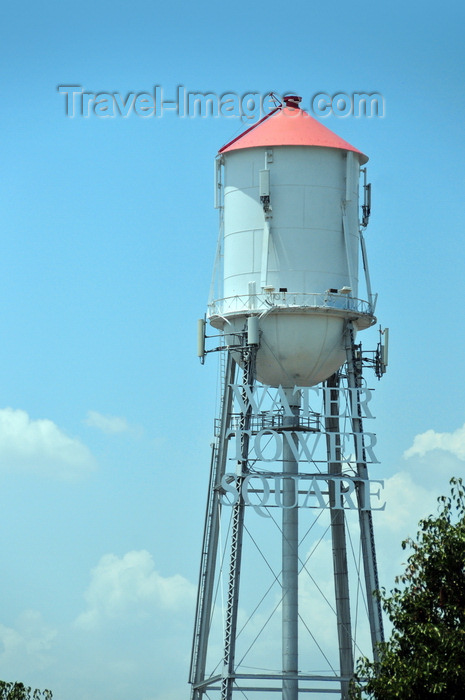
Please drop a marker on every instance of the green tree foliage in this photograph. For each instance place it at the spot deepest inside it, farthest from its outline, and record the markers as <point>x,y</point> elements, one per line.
<point>425,655</point>
<point>18,691</point>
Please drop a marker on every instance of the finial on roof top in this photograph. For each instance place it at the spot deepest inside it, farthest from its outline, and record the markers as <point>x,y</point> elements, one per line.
<point>292,101</point>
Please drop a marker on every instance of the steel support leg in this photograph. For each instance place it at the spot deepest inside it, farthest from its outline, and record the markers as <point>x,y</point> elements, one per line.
<point>338,533</point>
<point>290,556</point>
<point>366,521</point>
<point>237,530</point>
<point>203,612</point>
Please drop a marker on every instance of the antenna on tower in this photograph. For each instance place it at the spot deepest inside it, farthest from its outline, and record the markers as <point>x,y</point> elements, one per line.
<point>382,354</point>
<point>366,206</point>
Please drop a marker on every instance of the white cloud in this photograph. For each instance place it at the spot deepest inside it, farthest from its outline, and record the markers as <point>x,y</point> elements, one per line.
<point>131,587</point>
<point>107,424</point>
<point>26,646</point>
<point>39,446</point>
<point>410,497</point>
<point>431,440</point>
<point>406,503</point>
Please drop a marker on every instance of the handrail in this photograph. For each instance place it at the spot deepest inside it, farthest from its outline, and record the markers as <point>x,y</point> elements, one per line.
<point>268,301</point>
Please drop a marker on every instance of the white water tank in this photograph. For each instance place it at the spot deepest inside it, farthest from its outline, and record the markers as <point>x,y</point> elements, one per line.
<point>291,245</point>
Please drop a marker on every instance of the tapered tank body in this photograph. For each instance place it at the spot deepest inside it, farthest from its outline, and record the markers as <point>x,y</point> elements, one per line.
<point>291,242</point>
<point>306,250</point>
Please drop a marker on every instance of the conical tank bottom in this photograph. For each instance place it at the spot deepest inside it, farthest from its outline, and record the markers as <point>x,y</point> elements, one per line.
<point>295,349</point>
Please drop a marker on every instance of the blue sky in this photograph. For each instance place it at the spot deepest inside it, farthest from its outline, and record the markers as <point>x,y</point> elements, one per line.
<point>108,237</point>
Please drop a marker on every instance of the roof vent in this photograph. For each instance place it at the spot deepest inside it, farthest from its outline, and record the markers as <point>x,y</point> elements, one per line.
<point>292,101</point>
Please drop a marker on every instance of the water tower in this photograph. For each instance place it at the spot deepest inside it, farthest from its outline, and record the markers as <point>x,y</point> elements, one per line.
<point>288,564</point>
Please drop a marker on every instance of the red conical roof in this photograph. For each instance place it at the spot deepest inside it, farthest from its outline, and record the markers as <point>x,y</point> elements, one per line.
<point>289,126</point>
